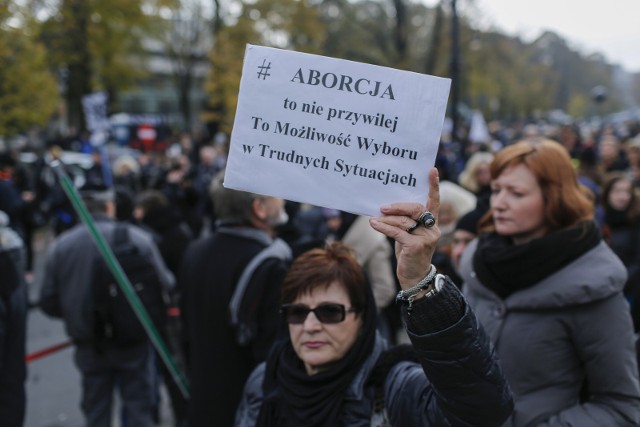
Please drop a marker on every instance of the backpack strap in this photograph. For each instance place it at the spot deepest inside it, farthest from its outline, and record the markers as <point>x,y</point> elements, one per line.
<point>277,249</point>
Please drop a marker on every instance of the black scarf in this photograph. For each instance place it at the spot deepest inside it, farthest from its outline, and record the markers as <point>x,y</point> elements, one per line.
<point>615,218</point>
<point>506,268</point>
<point>293,398</point>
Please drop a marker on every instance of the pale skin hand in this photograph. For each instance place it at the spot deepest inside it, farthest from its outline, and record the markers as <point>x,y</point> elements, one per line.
<point>413,251</point>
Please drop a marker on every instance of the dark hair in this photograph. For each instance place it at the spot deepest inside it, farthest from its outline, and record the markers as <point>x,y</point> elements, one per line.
<point>633,210</point>
<point>151,200</point>
<point>565,199</point>
<point>318,268</point>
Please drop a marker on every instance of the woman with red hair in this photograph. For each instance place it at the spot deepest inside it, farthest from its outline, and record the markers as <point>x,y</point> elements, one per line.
<point>548,290</point>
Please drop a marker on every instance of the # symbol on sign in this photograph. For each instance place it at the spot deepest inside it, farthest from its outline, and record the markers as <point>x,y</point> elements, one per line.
<point>263,70</point>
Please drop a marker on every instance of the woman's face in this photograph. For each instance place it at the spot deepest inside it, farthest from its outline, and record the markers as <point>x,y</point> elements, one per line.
<point>483,174</point>
<point>461,238</point>
<point>518,205</point>
<point>318,344</point>
<point>608,150</point>
<point>620,194</point>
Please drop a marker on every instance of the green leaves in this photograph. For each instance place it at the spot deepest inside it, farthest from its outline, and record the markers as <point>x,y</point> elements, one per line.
<point>28,91</point>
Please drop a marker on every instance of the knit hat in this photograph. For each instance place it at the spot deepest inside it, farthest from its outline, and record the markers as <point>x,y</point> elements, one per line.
<point>469,221</point>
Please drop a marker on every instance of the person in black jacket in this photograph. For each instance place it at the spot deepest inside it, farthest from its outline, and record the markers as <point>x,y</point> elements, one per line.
<point>621,230</point>
<point>172,236</point>
<point>13,316</point>
<point>326,371</point>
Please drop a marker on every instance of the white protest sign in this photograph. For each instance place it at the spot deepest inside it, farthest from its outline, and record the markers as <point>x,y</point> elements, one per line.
<point>334,133</point>
<point>478,131</point>
<point>95,111</point>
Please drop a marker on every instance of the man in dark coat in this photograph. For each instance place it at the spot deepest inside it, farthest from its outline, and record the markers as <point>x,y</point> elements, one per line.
<point>231,318</point>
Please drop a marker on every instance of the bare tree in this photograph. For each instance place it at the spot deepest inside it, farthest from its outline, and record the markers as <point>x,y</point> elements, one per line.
<point>436,36</point>
<point>78,71</point>
<point>401,32</point>
<point>186,46</point>
<point>216,21</point>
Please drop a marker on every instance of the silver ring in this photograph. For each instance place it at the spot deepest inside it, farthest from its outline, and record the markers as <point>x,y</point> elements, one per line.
<point>427,219</point>
<point>413,227</point>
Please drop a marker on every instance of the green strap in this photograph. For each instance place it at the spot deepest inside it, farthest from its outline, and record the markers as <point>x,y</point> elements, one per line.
<point>121,277</point>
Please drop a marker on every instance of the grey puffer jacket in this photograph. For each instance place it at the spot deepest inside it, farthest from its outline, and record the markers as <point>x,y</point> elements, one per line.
<point>572,328</point>
<point>463,385</point>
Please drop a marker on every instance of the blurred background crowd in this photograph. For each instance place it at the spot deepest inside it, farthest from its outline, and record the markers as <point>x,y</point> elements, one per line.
<point>166,190</point>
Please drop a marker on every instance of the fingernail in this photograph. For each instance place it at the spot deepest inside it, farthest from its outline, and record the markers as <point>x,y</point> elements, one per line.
<point>373,221</point>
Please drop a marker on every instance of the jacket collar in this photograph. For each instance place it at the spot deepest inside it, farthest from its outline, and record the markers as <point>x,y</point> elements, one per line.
<point>248,233</point>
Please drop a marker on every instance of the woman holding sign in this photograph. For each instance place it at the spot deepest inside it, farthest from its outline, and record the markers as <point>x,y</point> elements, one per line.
<point>331,368</point>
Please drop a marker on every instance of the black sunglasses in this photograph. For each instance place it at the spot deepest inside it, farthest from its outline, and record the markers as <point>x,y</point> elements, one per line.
<point>329,313</point>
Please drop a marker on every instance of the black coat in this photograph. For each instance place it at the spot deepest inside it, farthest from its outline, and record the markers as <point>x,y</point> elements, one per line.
<point>11,203</point>
<point>172,236</point>
<point>217,365</point>
<point>13,316</point>
<point>624,240</point>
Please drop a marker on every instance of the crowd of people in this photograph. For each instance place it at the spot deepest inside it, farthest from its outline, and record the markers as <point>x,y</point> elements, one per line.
<point>520,307</point>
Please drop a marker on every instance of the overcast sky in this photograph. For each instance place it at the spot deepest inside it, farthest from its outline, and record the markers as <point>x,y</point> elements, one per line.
<point>610,27</point>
